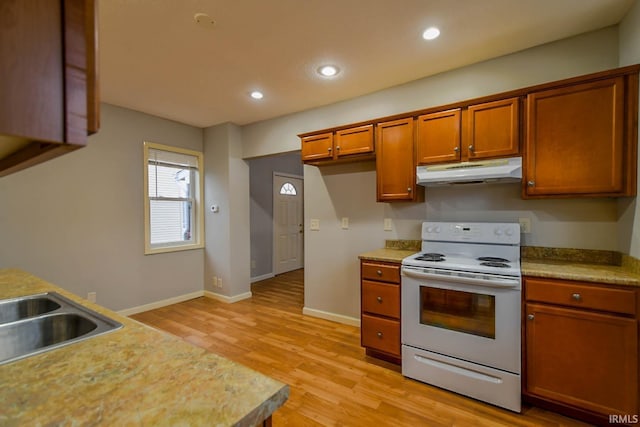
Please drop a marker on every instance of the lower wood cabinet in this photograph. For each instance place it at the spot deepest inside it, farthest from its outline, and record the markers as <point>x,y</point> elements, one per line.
<point>380,305</point>
<point>581,348</point>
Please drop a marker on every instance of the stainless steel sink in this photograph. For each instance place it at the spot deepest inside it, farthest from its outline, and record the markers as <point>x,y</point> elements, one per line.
<point>22,308</point>
<point>37,323</point>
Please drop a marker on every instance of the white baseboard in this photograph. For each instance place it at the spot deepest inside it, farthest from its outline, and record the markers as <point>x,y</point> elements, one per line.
<point>227,299</point>
<point>352,321</point>
<point>263,277</point>
<point>158,304</point>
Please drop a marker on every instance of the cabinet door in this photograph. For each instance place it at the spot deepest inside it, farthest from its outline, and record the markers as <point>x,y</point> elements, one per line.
<point>49,88</point>
<point>31,66</point>
<point>492,129</point>
<point>574,141</point>
<point>317,147</point>
<point>395,168</point>
<point>438,137</point>
<point>358,140</point>
<point>582,358</point>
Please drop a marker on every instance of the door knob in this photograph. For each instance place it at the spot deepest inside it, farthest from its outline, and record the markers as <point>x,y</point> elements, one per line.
<point>456,149</point>
<point>471,149</point>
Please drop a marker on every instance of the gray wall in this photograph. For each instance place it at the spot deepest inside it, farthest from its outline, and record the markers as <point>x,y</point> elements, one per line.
<point>331,263</point>
<point>261,193</point>
<point>629,211</point>
<point>227,231</point>
<point>77,221</point>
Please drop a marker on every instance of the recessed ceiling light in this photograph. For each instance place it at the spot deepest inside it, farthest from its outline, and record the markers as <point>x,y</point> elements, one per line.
<point>257,94</point>
<point>431,33</point>
<point>328,70</point>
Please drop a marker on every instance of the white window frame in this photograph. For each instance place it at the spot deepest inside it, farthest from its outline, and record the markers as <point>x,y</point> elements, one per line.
<point>198,203</point>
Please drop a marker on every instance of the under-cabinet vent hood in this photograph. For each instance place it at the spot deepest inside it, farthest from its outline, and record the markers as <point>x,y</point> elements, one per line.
<point>498,170</point>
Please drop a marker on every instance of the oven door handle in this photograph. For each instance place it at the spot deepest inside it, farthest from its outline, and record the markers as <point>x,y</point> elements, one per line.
<point>495,282</point>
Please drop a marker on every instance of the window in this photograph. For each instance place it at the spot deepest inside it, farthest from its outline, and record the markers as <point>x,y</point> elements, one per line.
<point>173,199</point>
<point>288,189</point>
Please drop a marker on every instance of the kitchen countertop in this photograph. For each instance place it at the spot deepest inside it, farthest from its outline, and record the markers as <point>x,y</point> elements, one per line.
<point>393,251</point>
<point>136,375</point>
<point>387,255</point>
<point>557,263</point>
<point>586,272</point>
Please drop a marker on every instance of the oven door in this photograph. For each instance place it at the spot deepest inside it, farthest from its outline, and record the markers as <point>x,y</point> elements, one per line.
<point>473,319</point>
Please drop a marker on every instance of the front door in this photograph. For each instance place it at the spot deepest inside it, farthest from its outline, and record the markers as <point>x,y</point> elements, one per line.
<point>288,223</point>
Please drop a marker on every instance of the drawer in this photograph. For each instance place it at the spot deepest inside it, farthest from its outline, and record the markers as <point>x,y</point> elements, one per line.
<point>381,298</point>
<point>381,271</point>
<point>381,334</point>
<point>582,295</point>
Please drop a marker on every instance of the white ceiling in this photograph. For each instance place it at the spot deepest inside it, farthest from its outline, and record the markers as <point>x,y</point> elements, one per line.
<point>154,57</point>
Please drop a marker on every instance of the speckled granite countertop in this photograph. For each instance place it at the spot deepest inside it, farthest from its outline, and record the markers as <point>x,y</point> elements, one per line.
<point>131,377</point>
<point>579,264</point>
<point>609,274</point>
<point>394,251</point>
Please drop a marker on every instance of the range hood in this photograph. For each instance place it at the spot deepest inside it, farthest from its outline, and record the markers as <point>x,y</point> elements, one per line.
<point>497,170</point>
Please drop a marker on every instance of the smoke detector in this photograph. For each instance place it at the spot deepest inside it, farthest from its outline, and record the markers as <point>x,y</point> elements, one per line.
<point>204,21</point>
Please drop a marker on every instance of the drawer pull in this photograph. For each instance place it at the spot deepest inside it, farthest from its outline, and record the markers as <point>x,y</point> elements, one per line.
<point>379,334</point>
<point>531,317</point>
<point>379,299</point>
<point>576,297</point>
<point>379,272</point>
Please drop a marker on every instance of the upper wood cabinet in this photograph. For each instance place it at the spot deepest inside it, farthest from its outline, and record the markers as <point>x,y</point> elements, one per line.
<point>395,165</point>
<point>317,147</point>
<point>492,129</point>
<point>480,131</point>
<point>581,140</point>
<point>338,145</point>
<point>438,137</point>
<point>49,101</point>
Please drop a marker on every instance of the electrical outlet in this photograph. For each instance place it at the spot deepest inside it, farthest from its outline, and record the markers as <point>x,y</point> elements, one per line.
<point>388,225</point>
<point>215,281</point>
<point>253,263</point>
<point>345,223</point>
<point>314,224</point>
<point>525,225</point>
<point>91,296</point>
<point>220,282</point>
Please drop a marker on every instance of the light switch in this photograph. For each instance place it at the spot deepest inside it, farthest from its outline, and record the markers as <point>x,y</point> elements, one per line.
<point>314,224</point>
<point>345,223</point>
<point>388,225</point>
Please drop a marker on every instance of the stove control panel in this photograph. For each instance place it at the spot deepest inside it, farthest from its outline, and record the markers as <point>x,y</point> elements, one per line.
<point>475,232</point>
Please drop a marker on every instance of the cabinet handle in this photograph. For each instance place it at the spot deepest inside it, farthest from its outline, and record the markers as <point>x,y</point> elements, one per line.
<point>531,183</point>
<point>456,149</point>
<point>379,272</point>
<point>329,149</point>
<point>379,334</point>
<point>531,317</point>
<point>409,189</point>
<point>471,149</point>
<point>338,148</point>
<point>576,297</point>
<point>379,299</point>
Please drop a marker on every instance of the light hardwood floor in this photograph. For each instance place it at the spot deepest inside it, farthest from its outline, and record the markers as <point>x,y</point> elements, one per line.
<point>332,381</point>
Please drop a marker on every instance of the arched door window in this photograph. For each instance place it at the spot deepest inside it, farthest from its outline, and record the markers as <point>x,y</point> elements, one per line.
<point>288,189</point>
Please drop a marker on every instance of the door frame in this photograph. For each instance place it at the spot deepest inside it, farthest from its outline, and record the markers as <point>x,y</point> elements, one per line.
<point>273,218</point>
